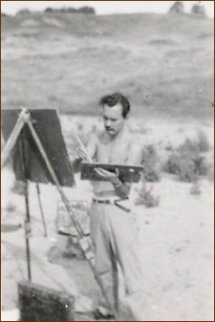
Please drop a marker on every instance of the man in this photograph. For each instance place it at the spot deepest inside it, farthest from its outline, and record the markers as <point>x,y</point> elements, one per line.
<point>113,230</point>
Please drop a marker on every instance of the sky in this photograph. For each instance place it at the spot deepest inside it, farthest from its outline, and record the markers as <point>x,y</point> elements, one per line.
<point>105,7</point>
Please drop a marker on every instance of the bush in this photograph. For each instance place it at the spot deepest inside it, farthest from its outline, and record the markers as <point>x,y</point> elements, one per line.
<point>202,142</point>
<point>146,198</point>
<point>24,12</point>
<point>181,166</point>
<point>83,10</point>
<point>177,7</point>
<point>210,174</point>
<point>172,164</point>
<point>187,161</point>
<point>150,164</point>
<point>87,10</point>
<point>199,10</point>
<point>49,9</point>
<point>188,146</point>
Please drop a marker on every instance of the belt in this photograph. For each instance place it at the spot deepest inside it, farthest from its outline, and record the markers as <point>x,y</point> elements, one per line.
<point>104,201</point>
<point>112,202</point>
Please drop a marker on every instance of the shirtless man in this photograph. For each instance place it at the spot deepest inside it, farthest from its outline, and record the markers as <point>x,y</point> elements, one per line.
<point>113,231</point>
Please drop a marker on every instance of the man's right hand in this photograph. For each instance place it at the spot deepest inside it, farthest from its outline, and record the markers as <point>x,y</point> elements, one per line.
<point>79,153</point>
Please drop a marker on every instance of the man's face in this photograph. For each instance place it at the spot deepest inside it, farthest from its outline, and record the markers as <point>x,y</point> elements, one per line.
<point>113,119</point>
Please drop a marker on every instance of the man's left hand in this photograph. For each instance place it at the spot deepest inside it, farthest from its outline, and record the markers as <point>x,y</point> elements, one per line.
<point>108,175</point>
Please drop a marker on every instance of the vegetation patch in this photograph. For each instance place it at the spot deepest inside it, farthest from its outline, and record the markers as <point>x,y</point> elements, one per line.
<point>146,197</point>
<point>188,161</point>
<point>150,163</point>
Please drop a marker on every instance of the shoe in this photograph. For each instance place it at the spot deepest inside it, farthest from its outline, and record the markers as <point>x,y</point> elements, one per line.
<point>98,315</point>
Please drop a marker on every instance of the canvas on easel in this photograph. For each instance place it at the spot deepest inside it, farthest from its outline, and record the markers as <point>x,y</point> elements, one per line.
<point>46,124</point>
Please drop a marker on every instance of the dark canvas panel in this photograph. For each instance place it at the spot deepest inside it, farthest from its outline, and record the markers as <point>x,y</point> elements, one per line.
<point>47,126</point>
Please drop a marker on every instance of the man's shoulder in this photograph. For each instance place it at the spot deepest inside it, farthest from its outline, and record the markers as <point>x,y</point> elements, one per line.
<point>135,150</point>
<point>132,138</point>
<point>135,143</point>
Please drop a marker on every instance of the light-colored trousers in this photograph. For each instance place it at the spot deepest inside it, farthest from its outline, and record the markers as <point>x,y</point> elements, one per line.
<point>114,236</point>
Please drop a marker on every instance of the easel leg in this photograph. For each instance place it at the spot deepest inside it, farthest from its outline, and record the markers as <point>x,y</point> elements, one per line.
<point>27,231</point>
<point>24,170</point>
<point>41,210</point>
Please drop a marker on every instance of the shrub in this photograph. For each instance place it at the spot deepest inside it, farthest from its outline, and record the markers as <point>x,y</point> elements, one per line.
<point>201,167</point>
<point>146,198</point>
<point>83,10</point>
<point>188,146</point>
<point>199,10</point>
<point>187,166</point>
<point>87,10</point>
<point>177,7</point>
<point>187,161</point>
<point>169,147</point>
<point>202,142</point>
<point>172,165</point>
<point>210,174</point>
<point>49,9</point>
<point>24,12</point>
<point>181,166</point>
<point>150,163</point>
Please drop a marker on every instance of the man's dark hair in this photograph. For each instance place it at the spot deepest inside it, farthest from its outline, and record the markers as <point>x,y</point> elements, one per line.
<point>113,99</point>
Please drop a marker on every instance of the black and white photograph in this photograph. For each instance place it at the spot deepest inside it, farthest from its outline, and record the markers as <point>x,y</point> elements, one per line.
<point>107,160</point>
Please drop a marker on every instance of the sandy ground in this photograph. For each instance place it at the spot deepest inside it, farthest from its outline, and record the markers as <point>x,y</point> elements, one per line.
<point>176,250</point>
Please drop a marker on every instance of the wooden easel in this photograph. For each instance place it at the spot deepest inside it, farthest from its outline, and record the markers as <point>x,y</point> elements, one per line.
<point>24,120</point>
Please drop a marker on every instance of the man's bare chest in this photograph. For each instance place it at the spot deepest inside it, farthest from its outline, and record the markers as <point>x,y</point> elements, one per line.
<point>112,152</point>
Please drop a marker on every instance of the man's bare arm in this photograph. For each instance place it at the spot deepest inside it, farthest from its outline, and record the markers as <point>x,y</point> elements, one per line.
<point>123,189</point>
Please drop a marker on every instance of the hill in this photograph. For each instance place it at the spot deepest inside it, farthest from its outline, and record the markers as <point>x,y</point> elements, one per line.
<point>67,61</point>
